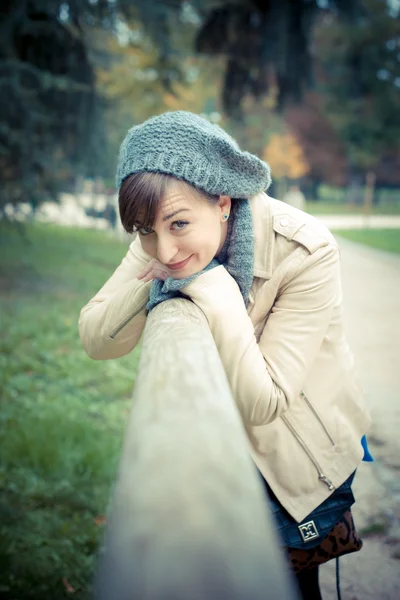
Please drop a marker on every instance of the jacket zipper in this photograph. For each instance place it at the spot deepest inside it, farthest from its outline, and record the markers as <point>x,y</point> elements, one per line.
<point>321,474</point>
<point>125,322</point>
<point>316,415</point>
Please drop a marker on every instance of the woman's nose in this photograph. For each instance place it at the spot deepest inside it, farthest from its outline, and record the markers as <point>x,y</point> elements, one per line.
<point>166,249</point>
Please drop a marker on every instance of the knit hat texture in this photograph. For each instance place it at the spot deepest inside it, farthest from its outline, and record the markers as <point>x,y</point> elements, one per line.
<point>191,148</point>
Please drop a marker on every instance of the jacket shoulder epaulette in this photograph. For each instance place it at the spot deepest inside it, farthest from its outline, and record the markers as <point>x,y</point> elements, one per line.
<point>311,236</point>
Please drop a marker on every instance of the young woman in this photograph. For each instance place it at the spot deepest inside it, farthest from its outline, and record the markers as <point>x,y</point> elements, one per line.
<point>267,277</point>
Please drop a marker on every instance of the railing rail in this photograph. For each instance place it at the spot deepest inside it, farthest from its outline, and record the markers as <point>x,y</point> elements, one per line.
<point>188,518</point>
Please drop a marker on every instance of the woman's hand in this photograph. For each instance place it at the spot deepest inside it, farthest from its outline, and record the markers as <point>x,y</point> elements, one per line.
<point>154,270</point>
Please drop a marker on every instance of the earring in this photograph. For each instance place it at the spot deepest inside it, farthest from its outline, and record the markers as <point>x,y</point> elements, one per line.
<point>225,217</point>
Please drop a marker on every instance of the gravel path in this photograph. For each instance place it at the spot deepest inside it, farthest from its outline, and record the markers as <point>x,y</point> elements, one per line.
<point>371,280</point>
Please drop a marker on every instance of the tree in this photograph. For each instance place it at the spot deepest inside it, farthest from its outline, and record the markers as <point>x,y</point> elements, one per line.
<point>48,103</point>
<point>50,99</point>
<point>286,159</point>
<point>323,150</point>
<point>52,110</point>
<point>358,69</point>
<point>130,83</point>
<point>265,44</point>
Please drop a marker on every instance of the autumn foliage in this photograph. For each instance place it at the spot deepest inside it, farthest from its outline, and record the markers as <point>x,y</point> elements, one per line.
<point>286,157</point>
<point>322,149</point>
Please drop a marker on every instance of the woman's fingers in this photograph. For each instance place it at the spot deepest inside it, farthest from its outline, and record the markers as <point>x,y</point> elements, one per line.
<point>153,270</point>
<point>144,271</point>
<point>147,269</point>
<point>149,276</point>
<point>160,274</point>
<point>155,274</point>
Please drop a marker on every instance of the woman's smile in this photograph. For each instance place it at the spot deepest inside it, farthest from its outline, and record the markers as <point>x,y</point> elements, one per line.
<point>179,265</point>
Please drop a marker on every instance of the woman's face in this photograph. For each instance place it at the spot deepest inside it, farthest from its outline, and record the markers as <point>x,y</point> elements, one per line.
<point>188,231</point>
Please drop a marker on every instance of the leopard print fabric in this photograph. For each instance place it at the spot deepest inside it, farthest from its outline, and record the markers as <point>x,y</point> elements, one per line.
<point>342,539</point>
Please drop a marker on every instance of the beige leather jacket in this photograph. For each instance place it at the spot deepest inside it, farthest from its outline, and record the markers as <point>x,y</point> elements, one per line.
<point>286,357</point>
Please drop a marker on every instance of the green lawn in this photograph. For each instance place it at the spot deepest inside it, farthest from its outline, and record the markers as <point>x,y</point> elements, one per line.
<point>333,201</point>
<point>384,239</point>
<point>342,208</point>
<point>62,414</point>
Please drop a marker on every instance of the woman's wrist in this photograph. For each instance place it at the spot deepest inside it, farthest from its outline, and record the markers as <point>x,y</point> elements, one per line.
<point>214,290</point>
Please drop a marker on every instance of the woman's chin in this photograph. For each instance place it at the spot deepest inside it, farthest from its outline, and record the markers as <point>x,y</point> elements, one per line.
<point>192,268</point>
<point>183,275</point>
<point>187,272</point>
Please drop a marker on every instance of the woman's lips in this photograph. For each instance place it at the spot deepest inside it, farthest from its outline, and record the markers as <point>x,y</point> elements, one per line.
<point>179,265</point>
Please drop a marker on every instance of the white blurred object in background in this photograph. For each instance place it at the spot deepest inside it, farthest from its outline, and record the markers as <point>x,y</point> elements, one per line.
<point>295,197</point>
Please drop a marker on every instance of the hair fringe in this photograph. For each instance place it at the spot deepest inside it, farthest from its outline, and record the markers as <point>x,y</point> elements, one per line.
<point>140,195</point>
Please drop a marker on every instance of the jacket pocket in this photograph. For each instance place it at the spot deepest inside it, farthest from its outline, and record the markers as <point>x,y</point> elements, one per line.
<point>321,475</point>
<point>317,417</point>
<point>127,319</point>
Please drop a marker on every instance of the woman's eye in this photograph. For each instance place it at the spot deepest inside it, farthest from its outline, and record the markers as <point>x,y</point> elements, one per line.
<point>179,225</point>
<point>143,230</point>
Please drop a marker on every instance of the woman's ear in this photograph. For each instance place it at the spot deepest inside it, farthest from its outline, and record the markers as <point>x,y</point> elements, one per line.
<point>225,204</point>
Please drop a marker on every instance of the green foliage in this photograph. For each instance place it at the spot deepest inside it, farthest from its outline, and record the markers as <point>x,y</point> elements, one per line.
<point>383,239</point>
<point>333,200</point>
<point>346,208</point>
<point>266,44</point>
<point>50,114</point>
<point>62,414</point>
<point>360,82</point>
<point>55,116</point>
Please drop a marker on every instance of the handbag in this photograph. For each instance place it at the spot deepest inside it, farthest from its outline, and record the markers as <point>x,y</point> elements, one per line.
<point>326,533</point>
<point>342,539</point>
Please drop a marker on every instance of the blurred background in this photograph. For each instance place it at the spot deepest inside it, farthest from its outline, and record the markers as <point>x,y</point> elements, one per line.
<point>312,87</point>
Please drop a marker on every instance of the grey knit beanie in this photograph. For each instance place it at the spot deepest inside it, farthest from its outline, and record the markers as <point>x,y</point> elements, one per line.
<point>188,147</point>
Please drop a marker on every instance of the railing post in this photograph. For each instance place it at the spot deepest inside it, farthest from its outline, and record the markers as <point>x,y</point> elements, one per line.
<point>189,519</point>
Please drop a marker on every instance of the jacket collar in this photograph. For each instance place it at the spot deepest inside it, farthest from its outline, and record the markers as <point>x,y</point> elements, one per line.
<point>271,216</point>
<point>263,235</point>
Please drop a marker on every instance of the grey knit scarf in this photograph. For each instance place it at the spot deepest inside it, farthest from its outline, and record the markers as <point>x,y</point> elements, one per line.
<point>237,256</point>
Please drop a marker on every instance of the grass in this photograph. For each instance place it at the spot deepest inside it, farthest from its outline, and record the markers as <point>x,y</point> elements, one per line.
<point>62,414</point>
<point>333,201</point>
<point>323,207</point>
<point>383,239</point>
<point>376,528</point>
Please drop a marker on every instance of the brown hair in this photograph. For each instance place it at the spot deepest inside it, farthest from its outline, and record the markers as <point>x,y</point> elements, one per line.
<point>141,193</point>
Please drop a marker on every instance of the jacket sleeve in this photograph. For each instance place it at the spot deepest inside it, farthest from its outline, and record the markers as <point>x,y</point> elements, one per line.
<point>111,324</point>
<point>266,377</point>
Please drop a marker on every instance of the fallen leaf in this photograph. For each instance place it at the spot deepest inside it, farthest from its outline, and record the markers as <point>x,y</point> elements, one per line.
<point>68,586</point>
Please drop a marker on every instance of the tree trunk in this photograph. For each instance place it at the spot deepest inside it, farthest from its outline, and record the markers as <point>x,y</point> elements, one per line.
<point>355,190</point>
